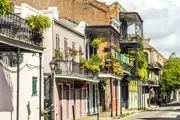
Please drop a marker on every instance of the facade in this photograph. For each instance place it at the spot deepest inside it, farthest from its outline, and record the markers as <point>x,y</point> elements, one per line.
<point>132,97</point>
<point>21,68</point>
<point>92,12</point>
<point>109,86</point>
<point>74,88</point>
<point>155,63</point>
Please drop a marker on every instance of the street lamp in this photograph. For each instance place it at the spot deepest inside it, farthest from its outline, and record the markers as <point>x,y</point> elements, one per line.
<point>52,65</point>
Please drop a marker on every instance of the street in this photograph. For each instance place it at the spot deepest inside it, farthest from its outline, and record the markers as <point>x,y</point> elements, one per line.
<point>168,112</point>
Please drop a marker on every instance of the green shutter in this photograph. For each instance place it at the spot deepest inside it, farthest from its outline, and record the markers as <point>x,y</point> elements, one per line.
<point>34,86</point>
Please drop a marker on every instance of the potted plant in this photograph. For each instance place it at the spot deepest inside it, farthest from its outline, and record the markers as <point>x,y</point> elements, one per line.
<point>82,63</point>
<point>72,52</point>
<point>58,54</point>
<point>96,43</point>
<point>5,7</point>
<point>81,52</point>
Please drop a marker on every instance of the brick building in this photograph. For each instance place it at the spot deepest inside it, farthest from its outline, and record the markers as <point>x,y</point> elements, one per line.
<point>90,11</point>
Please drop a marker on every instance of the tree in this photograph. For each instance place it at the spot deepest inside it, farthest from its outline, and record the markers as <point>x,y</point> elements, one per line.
<point>171,74</point>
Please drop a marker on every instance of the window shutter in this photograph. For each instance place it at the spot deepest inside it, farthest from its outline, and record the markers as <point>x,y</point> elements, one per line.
<point>34,86</point>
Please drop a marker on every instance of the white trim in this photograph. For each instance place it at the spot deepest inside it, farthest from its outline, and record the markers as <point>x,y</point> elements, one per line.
<point>76,78</point>
<point>105,75</point>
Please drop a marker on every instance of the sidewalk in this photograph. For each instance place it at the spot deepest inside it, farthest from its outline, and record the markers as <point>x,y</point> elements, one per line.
<point>107,115</point>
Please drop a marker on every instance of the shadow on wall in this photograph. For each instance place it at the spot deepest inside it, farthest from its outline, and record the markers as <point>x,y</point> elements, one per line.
<point>6,89</point>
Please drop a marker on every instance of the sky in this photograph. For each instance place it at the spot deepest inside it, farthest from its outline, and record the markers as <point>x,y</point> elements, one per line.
<point>161,22</point>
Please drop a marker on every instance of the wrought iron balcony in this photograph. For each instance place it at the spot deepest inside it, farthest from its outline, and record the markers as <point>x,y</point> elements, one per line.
<point>71,68</point>
<point>16,27</point>
<point>151,83</point>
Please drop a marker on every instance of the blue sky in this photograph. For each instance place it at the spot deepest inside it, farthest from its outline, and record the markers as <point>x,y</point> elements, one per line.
<point>161,22</point>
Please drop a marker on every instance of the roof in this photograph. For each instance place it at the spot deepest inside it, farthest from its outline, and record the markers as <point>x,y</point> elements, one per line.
<point>99,5</point>
<point>68,25</point>
<point>130,16</point>
<point>68,22</point>
<point>146,45</point>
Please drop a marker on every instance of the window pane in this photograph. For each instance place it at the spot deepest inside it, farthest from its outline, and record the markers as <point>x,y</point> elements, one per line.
<point>57,41</point>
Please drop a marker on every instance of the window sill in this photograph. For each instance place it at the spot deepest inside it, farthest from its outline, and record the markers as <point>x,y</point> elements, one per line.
<point>33,95</point>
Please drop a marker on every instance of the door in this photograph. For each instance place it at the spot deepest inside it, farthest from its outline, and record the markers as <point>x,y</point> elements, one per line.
<point>67,102</point>
<point>80,92</point>
<point>60,102</point>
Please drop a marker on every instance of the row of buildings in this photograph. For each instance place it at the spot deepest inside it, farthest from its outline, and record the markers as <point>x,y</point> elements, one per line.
<point>67,88</point>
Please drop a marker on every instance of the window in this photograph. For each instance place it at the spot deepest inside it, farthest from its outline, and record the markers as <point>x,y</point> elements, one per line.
<point>57,41</point>
<point>65,48</point>
<point>34,86</point>
<point>80,51</point>
<point>65,44</point>
<point>73,45</point>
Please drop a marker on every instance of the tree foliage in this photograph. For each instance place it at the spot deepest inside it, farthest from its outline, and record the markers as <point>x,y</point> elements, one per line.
<point>142,66</point>
<point>171,74</point>
<point>5,7</point>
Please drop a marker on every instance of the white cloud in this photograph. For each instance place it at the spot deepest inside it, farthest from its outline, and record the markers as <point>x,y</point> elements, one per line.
<point>161,22</point>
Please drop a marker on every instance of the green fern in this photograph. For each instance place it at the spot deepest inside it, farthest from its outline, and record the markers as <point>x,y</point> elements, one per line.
<point>38,22</point>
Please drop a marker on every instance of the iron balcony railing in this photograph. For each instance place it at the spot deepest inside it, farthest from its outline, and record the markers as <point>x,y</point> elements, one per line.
<point>151,83</point>
<point>16,27</point>
<point>131,38</point>
<point>68,67</point>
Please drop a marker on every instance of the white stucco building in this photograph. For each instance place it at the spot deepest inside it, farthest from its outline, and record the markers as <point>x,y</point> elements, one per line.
<point>29,77</point>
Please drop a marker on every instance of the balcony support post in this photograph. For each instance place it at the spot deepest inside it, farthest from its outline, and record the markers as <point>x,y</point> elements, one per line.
<point>17,111</point>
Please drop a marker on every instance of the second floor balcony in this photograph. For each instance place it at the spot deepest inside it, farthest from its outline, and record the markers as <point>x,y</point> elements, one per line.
<point>72,70</point>
<point>14,31</point>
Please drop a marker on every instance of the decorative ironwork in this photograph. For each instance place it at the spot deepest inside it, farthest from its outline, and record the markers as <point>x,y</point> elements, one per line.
<point>16,27</point>
<point>11,59</point>
<point>127,19</point>
<point>68,67</point>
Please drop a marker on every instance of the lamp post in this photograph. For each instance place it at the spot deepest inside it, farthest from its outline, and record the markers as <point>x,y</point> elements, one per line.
<point>52,65</point>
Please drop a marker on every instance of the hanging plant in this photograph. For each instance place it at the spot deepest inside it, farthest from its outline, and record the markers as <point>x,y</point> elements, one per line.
<point>38,22</point>
<point>82,63</point>
<point>106,49</point>
<point>96,43</point>
<point>5,7</point>
<point>115,48</point>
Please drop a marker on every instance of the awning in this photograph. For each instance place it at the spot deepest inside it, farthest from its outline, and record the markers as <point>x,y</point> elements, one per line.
<point>73,77</point>
<point>106,75</point>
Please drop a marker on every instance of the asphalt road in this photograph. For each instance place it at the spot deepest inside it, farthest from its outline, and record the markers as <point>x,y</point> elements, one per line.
<point>168,112</point>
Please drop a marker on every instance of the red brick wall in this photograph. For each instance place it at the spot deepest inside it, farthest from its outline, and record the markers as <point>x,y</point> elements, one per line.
<point>91,11</point>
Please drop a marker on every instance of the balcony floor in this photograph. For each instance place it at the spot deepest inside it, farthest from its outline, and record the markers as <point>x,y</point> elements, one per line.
<point>8,44</point>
